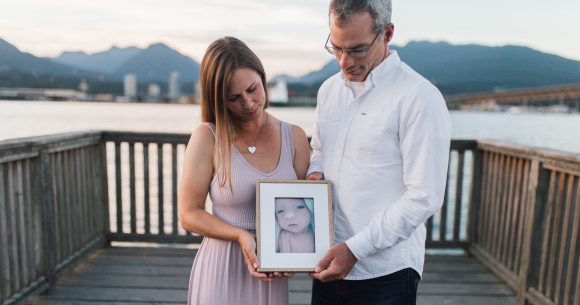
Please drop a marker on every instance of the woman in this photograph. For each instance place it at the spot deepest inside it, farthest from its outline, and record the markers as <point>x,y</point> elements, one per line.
<point>238,142</point>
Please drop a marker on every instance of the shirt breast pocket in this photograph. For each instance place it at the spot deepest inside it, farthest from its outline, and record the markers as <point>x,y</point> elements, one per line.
<point>375,141</point>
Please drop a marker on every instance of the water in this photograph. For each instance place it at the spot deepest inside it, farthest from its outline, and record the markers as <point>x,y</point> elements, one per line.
<point>550,130</point>
<point>24,118</point>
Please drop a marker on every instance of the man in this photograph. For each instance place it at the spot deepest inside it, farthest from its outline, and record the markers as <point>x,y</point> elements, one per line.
<point>382,137</point>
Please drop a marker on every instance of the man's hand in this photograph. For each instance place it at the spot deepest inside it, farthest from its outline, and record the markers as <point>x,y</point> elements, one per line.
<point>335,265</point>
<point>315,176</point>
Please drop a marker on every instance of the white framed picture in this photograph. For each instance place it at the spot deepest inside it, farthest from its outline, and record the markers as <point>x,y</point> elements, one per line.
<point>294,226</point>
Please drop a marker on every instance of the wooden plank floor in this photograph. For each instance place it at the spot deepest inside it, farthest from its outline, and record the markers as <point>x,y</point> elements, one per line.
<point>129,276</point>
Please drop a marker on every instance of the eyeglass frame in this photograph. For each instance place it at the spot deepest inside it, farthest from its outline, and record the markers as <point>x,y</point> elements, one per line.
<point>338,51</point>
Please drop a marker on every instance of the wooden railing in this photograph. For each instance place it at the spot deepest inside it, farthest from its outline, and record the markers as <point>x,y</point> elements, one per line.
<point>144,179</point>
<point>51,209</point>
<point>143,186</point>
<point>449,227</point>
<point>515,209</point>
<point>527,221</point>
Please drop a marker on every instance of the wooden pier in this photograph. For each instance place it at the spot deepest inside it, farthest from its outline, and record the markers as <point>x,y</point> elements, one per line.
<point>121,275</point>
<point>67,201</point>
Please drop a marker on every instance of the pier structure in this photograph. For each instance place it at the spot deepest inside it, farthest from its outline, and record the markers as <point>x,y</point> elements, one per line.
<point>90,218</point>
<point>554,95</point>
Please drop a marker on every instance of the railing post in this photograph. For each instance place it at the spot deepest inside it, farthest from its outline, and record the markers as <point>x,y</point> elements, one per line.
<point>103,188</point>
<point>475,195</point>
<point>536,207</point>
<point>47,217</point>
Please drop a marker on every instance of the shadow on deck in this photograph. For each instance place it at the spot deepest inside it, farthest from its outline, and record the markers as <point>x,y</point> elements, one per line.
<point>123,276</point>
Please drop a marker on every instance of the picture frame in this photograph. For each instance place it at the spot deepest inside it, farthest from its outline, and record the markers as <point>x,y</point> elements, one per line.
<point>294,224</point>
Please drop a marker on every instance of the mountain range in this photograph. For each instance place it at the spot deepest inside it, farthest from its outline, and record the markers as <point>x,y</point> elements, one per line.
<point>152,64</point>
<point>13,59</point>
<point>472,68</point>
<point>453,68</point>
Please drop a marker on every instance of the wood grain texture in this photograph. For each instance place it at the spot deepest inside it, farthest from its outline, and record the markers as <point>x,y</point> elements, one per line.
<point>123,276</point>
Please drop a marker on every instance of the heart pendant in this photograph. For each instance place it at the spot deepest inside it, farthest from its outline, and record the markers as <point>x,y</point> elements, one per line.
<point>252,149</point>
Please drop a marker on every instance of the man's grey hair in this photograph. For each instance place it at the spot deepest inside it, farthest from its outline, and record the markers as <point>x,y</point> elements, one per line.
<point>380,11</point>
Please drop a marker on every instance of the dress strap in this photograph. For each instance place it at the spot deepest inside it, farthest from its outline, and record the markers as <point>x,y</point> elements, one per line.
<point>211,126</point>
<point>287,136</point>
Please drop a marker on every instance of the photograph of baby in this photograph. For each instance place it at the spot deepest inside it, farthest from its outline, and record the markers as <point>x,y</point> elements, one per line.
<point>295,225</point>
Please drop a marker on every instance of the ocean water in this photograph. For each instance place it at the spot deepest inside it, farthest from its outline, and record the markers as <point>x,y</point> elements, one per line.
<point>26,118</point>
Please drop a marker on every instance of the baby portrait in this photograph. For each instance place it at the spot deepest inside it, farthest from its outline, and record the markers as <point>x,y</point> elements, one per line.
<point>294,225</point>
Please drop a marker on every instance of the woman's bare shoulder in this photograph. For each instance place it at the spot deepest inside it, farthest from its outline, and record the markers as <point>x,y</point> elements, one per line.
<point>298,131</point>
<point>202,141</point>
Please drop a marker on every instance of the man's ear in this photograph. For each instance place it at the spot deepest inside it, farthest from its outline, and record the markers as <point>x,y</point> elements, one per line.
<point>389,32</point>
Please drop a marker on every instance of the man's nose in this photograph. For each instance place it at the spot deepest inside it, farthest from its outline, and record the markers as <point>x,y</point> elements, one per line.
<point>345,60</point>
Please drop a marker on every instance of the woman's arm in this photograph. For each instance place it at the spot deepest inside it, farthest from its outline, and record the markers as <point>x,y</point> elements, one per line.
<point>301,151</point>
<point>197,174</point>
<point>196,178</point>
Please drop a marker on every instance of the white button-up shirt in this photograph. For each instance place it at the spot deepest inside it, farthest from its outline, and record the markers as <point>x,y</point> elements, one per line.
<point>384,144</point>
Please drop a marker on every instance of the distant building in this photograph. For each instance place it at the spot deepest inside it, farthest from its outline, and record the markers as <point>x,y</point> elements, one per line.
<point>104,97</point>
<point>174,85</point>
<point>130,86</point>
<point>83,86</point>
<point>197,91</point>
<point>278,91</point>
<point>153,91</point>
<point>41,94</point>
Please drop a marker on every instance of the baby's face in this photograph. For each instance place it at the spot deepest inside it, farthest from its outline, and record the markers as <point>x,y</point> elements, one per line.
<point>292,214</point>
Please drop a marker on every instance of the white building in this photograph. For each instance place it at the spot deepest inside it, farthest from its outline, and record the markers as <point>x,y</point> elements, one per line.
<point>278,91</point>
<point>130,86</point>
<point>197,91</point>
<point>153,92</point>
<point>174,86</point>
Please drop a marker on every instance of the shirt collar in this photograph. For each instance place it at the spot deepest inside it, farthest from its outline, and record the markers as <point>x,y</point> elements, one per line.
<point>380,71</point>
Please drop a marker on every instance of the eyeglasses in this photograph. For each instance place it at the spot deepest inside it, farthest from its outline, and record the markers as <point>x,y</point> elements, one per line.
<point>359,52</point>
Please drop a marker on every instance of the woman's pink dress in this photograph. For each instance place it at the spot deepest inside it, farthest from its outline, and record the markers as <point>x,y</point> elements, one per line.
<point>219,274</point>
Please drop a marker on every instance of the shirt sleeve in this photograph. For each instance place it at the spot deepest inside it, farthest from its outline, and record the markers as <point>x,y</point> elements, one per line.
<point>424,140</point>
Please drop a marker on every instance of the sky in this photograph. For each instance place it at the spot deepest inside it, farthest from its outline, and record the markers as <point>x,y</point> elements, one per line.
<point>288,35</point>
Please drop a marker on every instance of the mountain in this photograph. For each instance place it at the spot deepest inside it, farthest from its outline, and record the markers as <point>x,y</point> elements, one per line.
<point>153,64</point>
<point>453,68</point>
<point>472,68</point>
<point>156,64</point>
<point>469,68</point>
<point>329,69</point>
<point>103,71</point>
<point>12,59</point>
<point>105,62</point>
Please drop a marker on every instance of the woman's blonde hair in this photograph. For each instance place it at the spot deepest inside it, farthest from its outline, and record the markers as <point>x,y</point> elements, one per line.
<point>222,58</point>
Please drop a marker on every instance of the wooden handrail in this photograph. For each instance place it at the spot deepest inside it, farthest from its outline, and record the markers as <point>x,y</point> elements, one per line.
<point>528,220</point>
<point>51,209</point>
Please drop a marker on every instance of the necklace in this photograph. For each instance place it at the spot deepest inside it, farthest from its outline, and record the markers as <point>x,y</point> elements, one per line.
<point>252,148</point>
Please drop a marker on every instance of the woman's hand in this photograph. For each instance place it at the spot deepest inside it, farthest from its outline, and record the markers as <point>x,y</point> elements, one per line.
<point>284,274</point>
<point>247,242</point>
